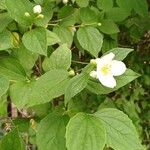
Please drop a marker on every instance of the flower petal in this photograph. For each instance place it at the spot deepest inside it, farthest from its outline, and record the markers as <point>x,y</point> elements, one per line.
<point>107,80</point>
<point>117,68</point>
<point>106,59</point>
<point>93,74</point>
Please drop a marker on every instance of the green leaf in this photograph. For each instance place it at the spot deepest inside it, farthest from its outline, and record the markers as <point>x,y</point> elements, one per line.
<point>59,59</point>
<point>141,7</point>
<point>121,133</point>
<point>87,15</point>
<point>21,93</point>
<point>120,53</point>
<point>85,132</point>
<point>122,80</point>
<point>22,124</point>
<point>52,38</point>
<point>65,35</point>
<point>3,106</point>
<point>82,3</point>
<point>108,44</point>
<point>108,27</point>
<point>50,85</point>
<point>88,68</point>
<point>13,141</point>
<point>90,39</point>
<point>4,20</point>
<point>2,5</point>
<point>127,5</point>
<point>36,41</point>
<point>6,40</point>
<point>17,10</point>
<point>4,85</point>
<point>105,4</point>
<point>39,1</point>
<point>68,15</point>
<point>75,86</point>
<point>26,58</point>
<point>41,110</point>
<point>51,132</point>
<point>78,103</point>
<point>11,69</point>
<point>117,14</point>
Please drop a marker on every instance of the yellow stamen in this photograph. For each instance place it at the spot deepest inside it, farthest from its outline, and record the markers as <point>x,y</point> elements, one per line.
<point>106,69</point>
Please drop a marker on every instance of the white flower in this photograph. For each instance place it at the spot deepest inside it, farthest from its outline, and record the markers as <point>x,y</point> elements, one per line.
<point>65,1</point>
<point>107,68</point>
<point>37,9</point>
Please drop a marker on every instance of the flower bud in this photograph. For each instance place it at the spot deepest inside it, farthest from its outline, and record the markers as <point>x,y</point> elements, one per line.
<point>65,1</point>
<point>37,9</point>
<point>93,61</point>
<point>33,123</point>
<point>40,16</point>
<point>37,78</point>
<point>73,29</point>
<point>27,14</point>
<point>99,24</point>
<point>93,74</point>
<point>16,39</point>
<point>71,73</point>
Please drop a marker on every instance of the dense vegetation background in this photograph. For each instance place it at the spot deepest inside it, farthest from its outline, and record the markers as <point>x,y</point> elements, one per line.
<point>122,23</point>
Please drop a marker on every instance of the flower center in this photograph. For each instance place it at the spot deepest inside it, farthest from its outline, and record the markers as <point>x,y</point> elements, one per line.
<point>105,69</point>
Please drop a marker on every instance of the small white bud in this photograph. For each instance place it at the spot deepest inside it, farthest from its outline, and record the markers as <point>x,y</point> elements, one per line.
<point>93,74</point>
<point>93,61</point>
<point>72,73</point>
<point>27,14</point>
<point>37,9</point>
<point>65,1</point>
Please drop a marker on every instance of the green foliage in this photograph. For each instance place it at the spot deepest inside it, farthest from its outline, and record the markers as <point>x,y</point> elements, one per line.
<point>105,5</point>
<point>88,131</point>
<point>75,86</point>
<point>83,3</point>
<point>90,39</point>
<point>59,59</point>
<point>5,40</point>
<point>17,10</point>
<point>51,132</point>
<point>50,85</point>
<point>12,141</point>
<point>119,129</point>
<point>37,35</point>
<point>49,98</point>
<point>12,69</point>
<point>64,34</point>
<point>4,85</point>
<point>108,27</point>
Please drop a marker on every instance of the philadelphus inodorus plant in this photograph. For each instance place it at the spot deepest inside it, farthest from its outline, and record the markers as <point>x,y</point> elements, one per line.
<point>107,68</point>
<point>37,9</point>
